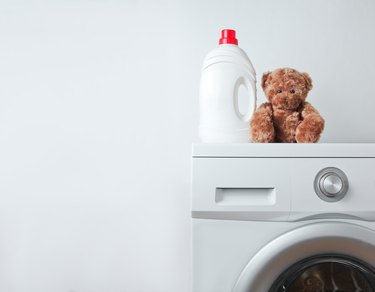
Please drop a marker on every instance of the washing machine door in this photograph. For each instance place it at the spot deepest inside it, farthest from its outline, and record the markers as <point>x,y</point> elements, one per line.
<point>319,257</point>
<point>326,273</point>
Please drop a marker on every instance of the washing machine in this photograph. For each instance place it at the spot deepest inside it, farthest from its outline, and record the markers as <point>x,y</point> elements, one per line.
<point>283,217</point>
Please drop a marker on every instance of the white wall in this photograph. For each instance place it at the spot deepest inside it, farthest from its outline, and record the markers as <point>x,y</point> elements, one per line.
<point>98,110</point>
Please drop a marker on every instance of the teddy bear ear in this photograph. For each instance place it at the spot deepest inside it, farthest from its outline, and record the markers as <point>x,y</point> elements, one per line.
<point>307,80</point>
<point>264,79</point>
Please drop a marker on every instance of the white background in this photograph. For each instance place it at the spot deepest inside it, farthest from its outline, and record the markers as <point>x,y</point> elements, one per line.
<point>98,111</point>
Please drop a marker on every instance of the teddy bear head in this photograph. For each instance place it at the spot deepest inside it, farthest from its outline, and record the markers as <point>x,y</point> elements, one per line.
<point>286,88</point>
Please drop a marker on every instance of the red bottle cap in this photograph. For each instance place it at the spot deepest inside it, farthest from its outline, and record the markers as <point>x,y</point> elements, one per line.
<point>228,36</point>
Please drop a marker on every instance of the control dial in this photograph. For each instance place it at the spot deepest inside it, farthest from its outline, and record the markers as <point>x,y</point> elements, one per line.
<point>331,184</point>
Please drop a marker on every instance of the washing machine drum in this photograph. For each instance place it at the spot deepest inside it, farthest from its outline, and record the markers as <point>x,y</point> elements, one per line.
<point>326,273</point>
<point>319,257</point>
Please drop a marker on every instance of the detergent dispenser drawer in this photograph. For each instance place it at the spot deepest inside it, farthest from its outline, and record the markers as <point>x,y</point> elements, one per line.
<point>241,189</point>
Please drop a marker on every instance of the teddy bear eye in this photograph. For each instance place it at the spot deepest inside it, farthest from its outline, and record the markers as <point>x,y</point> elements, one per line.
<point>279,91</point>
<point>292,91</point>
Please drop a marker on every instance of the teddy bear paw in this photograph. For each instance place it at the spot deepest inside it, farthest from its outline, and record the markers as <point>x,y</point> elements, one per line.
<point>309,132</point>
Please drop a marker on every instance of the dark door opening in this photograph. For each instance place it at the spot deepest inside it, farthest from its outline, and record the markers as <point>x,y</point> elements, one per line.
<point>327,273</point>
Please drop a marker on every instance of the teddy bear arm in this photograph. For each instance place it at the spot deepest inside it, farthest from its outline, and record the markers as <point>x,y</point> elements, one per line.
<point>312,125</point>
<point>308,109</point>
<point>262,128</point>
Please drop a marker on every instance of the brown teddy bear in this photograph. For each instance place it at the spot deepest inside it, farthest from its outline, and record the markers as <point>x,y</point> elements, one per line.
<point>286,117</point>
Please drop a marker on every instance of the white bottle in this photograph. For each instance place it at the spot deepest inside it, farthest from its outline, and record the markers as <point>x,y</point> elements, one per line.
<point>224,70</point>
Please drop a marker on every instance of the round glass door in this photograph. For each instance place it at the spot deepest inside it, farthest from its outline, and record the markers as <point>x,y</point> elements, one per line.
<point>326,273</point>
<point>318,257</point>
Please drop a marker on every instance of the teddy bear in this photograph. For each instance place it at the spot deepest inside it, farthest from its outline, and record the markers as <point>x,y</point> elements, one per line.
<point>286,117</point>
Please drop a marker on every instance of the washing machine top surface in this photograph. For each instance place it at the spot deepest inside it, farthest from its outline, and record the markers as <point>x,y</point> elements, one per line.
<point>347,150</point>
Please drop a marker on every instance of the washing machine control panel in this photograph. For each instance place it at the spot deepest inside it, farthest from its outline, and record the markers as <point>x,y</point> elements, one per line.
<point>283,182</point>
<point>331,184</point>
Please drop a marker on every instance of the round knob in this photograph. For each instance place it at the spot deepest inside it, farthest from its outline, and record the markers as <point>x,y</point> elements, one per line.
<point>331,184</point>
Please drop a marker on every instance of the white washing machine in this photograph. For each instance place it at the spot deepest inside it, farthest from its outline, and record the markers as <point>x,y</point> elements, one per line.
<point>283,217</point>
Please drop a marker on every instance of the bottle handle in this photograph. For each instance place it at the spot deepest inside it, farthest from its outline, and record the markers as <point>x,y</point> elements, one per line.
<point>252,95</point>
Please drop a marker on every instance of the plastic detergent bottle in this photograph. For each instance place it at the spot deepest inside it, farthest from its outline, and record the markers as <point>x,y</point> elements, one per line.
<point>225,69</point>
